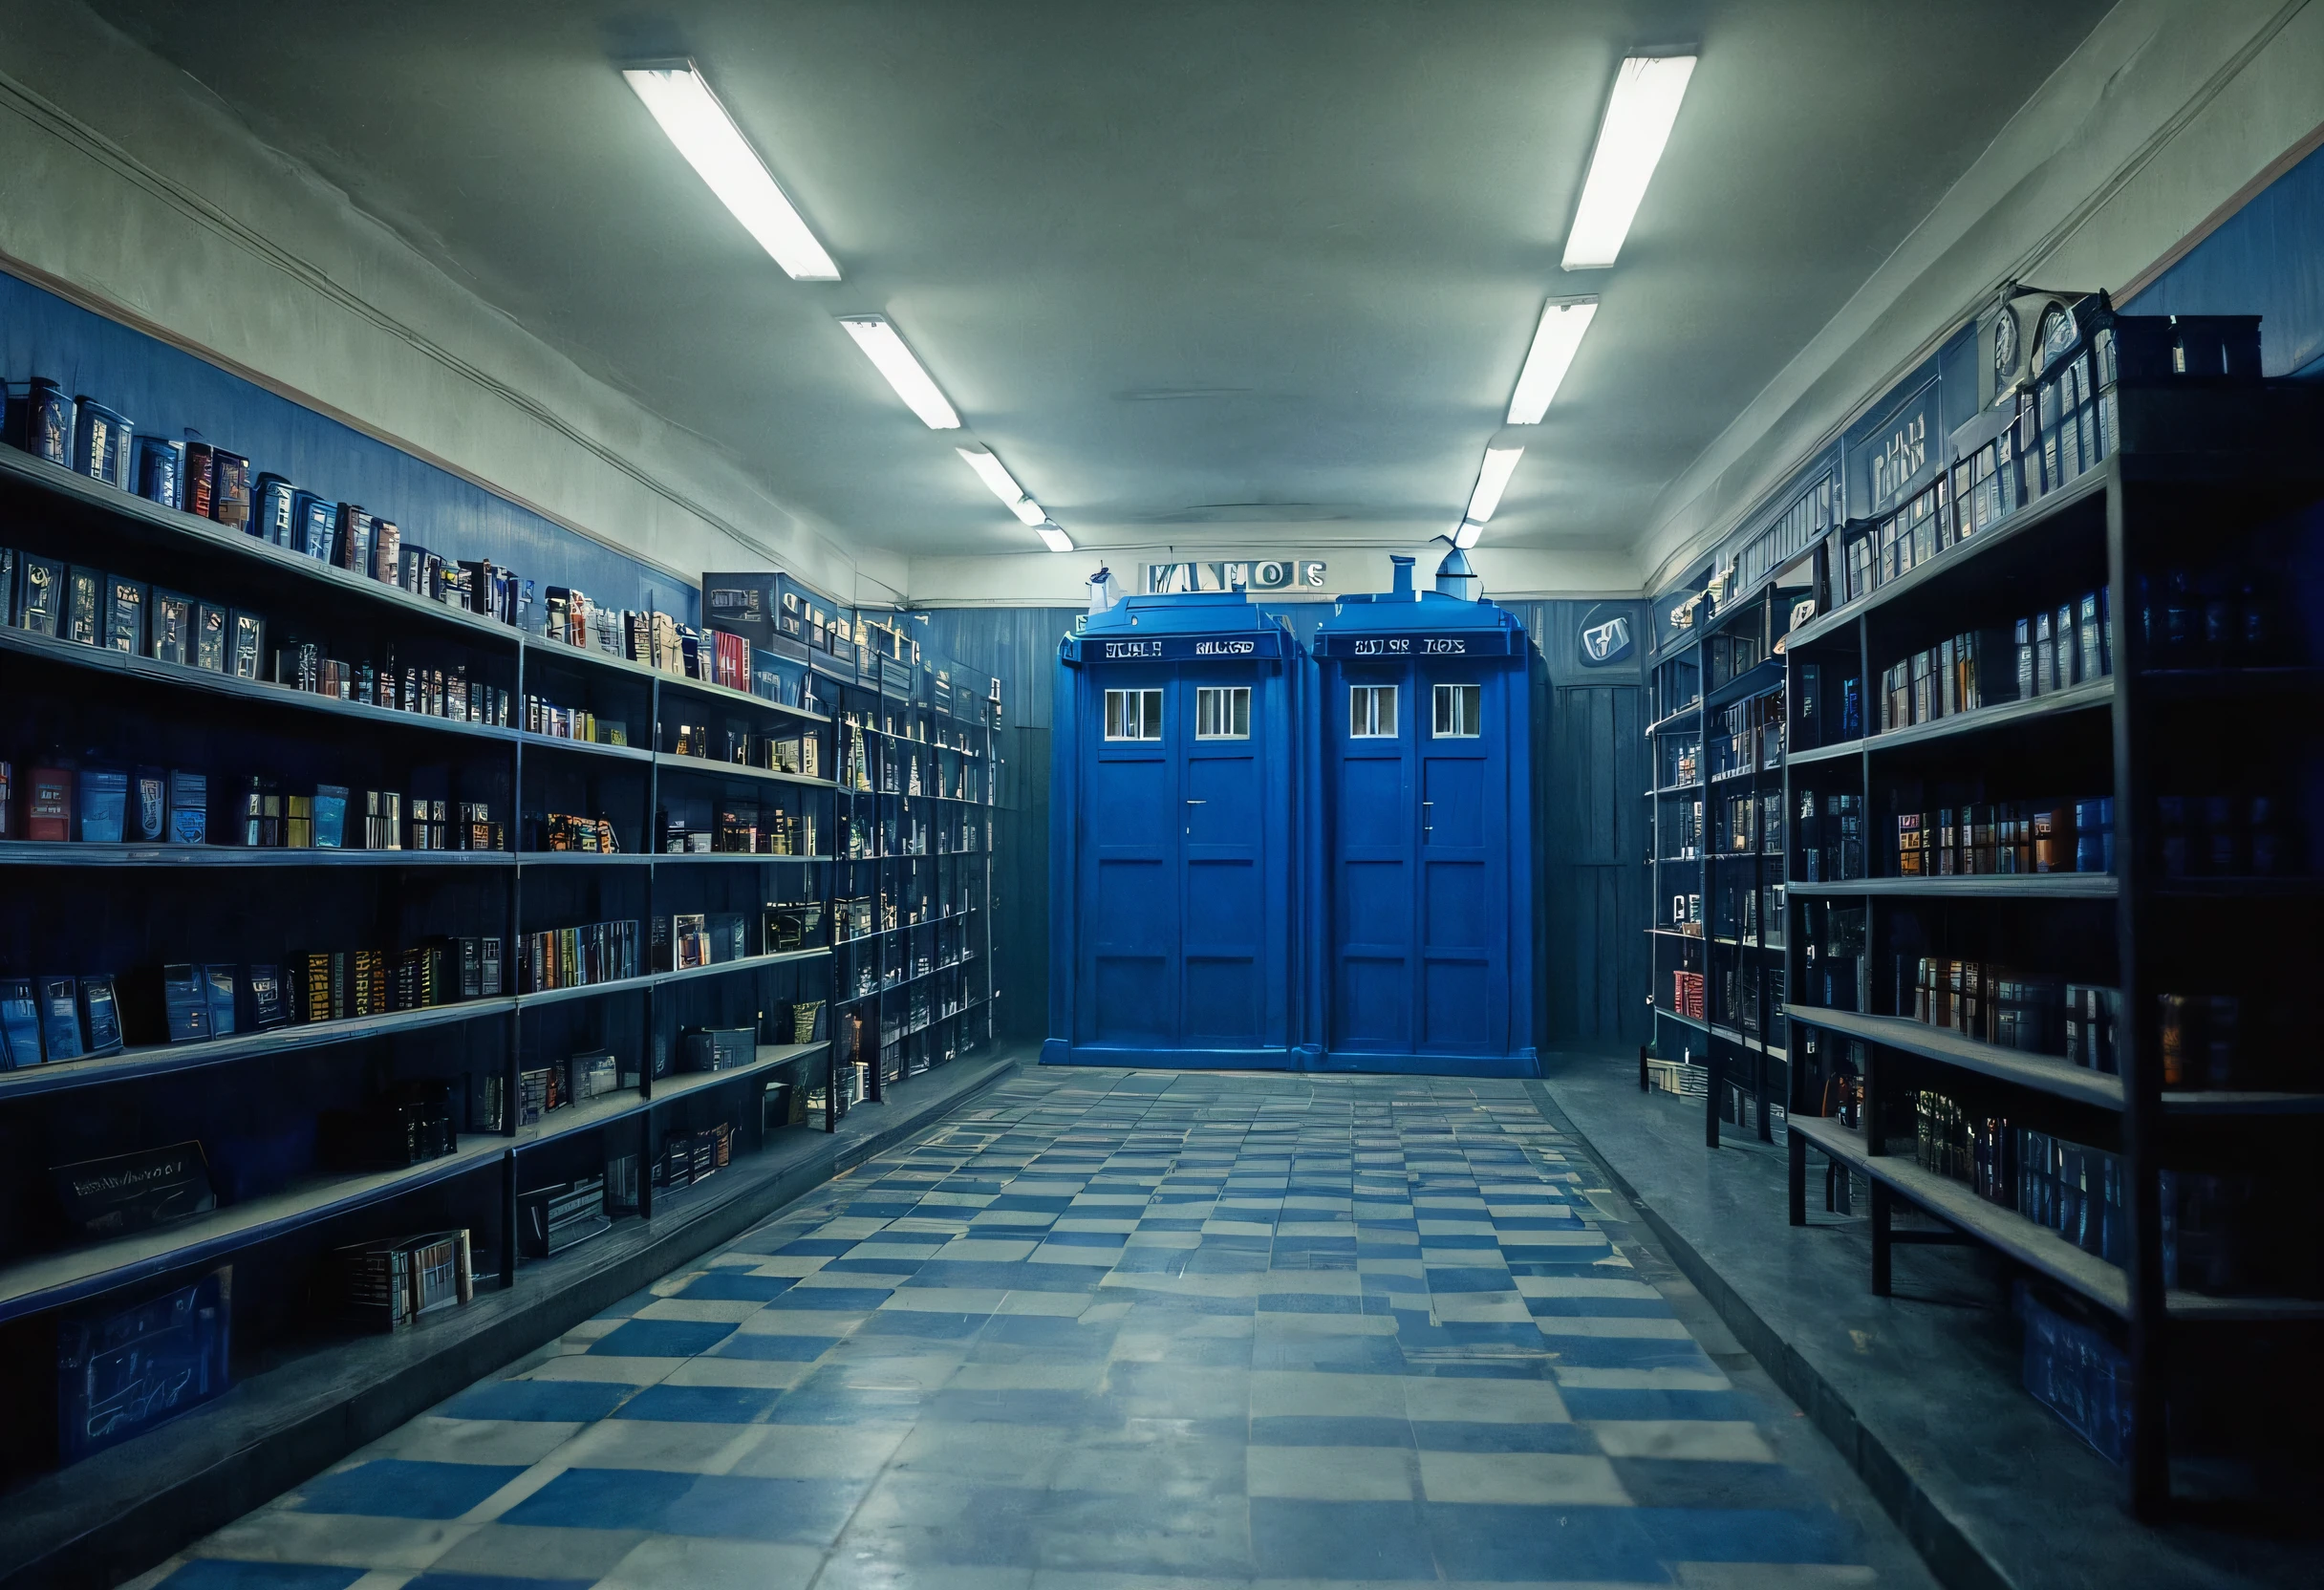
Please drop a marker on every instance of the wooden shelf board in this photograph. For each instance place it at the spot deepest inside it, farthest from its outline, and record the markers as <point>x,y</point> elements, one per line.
<point>2035,1246</point>
<point>708,768</point>
<point>2064,886</point>
<point>582,747</point>
<point>23,852</point>
<point>2042,1073</point>
<point>2023,522</point>
<point>160,1059</point>
<point>2082,697</point>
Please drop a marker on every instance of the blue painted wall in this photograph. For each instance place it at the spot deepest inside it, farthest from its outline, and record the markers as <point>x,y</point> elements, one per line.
<point>2266,259</point>
<point>165,390</point>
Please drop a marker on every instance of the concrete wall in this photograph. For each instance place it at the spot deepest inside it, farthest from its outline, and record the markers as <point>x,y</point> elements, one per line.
<point>127,187</point>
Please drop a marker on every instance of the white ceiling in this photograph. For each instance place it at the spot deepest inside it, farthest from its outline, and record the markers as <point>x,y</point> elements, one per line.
<point>1200,273</point>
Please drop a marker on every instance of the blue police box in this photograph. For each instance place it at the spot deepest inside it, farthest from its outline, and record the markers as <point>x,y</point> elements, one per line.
<point>1180,736</point>
<point>1423,848</point>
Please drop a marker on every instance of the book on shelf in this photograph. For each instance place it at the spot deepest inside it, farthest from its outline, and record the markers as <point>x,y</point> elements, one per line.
<point>49,805</point>
<point>104,804</point>
<point>125,1367</point>
<point>388,1285</point>
<point>132,1192</point>
<point>84,610</point>
<point>125,601</point>
<point>19,1024</point>
<point>59,1017</point>
<point>147,819</point>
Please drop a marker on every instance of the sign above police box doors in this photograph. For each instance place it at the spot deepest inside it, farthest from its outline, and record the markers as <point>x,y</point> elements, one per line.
<point>1606,636</point>
<point>1286,575</point>
<point>1244,647</point>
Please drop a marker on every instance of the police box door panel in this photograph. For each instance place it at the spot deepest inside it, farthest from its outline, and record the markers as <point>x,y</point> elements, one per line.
<point>1369,729</point>
<point>1130,948</point>
<point>1463,994</point>
<point>1224,904</point>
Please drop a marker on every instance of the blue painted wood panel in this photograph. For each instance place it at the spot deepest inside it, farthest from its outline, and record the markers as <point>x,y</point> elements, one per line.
<point>165,390</point>
<point>2266,259</point>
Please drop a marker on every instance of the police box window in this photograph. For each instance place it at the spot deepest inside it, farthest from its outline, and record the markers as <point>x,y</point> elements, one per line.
<point>1371,712</point>
<point>1460,707</point>
<point>1133,714</point>
<point>1223,712</point>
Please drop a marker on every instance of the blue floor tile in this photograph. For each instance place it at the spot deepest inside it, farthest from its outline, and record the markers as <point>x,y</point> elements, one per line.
<point>781,1349</point>
<point>1461,1435</point>
<point>211,1572</point>
<point>546,1401</point>
<point>1489,1541</point>
<point>1597,1308</point>
<point>737,1286</point>
<point>701,1405</point>
<point>1359,1540</point>
<point>1629,1352</point>
<point>812,1247</point>
<point>662,1337</point>
<point>1453,1277</point>
<point>1750,1534</point>
<point>837,1300</point>
<point>1594,1402</point>
<point>1331,1430</point>
<point>926,1323</point>
<point>726,1506</point>
<point>400,1488</point>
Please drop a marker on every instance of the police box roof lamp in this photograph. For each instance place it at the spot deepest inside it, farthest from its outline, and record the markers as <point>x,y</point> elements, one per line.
<point>1456,576</point>
<point>1402,584</point>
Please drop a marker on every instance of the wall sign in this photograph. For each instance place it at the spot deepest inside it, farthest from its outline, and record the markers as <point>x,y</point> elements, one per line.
<point>1284,574</point>
<point>1606,636</point>
<point>1901,454</point>
<point>1243,647</point>
<point>1396,648</point>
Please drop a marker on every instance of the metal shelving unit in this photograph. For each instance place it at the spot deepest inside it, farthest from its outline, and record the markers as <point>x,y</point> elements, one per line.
<point>2146,731</point>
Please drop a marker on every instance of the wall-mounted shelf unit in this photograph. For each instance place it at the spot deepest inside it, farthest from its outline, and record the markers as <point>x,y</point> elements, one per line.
<point>285,1113</point>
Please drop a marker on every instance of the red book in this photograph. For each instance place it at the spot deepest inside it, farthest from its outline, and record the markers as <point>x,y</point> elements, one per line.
<point>48,804</point>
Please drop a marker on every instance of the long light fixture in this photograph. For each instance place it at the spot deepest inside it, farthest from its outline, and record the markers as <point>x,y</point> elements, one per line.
<point>1555,343</point>
<point>1491,480</point>
<point>1056,539</point>
<point>876,335</point>
<point>1003,486</point>
<point>1638,119</point>
<point>1464,537</point>
<point>682,103</point>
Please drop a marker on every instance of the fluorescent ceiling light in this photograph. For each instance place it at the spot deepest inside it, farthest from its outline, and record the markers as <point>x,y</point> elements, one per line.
<point>716,148</point>
<point>1057,540</point>
<point>876,337</point>
<point>1466,536</point>
<point>1638,119</point>
<point>1003,486</point>
<point>1492,481</point>
<point>1555,343</point>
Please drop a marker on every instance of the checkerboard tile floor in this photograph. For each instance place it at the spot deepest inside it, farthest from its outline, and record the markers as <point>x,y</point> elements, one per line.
<point>1107,1329</point>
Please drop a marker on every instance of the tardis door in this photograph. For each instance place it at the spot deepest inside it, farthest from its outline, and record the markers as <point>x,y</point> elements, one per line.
<point>1463,846</point>
<point>1418,840</point>
<point>1175,897</point>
